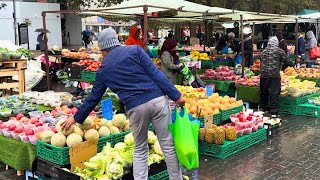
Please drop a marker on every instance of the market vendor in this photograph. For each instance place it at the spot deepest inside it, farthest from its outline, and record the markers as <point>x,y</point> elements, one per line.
<point>169,59</point>
<point>270,80</point>
<point>227,41</point>
<point>142,88</point>
<point>311,42</point>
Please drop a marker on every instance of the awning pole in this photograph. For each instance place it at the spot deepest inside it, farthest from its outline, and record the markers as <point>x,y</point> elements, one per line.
<point>145,27</point>
<point>242,45</point>
<point>46,50</point>
<point>296,48</point>
<point>317,30</point>
<point>205,35</point>
<point>253,31</point>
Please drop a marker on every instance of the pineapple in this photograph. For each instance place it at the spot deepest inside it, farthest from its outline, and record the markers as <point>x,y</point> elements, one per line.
<point>231,134</point>
<point>202,133</point>
<point>219,136</point>
<point>209,136</point>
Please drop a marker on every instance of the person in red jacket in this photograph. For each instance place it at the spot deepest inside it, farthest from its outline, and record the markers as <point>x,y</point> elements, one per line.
<point>134,38</point>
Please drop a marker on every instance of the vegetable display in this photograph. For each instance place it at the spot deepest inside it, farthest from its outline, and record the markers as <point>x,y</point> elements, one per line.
<point>113,163</point>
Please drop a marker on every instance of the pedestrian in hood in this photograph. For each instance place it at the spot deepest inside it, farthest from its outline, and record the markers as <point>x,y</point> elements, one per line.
<point>134,37</point>
<point>142,88</point>
<point>270,81</point>
<point>311,42</point>
<point>169,59</point>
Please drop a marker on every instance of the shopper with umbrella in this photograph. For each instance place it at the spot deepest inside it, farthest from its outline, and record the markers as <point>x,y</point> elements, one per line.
<point>86,37</point>
<point>41,39</point>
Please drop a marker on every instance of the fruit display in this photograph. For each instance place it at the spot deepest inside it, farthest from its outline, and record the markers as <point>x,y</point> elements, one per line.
<point>303,72</point>
<point>210,105</point>
<point>247,122</point>
<point>190,92</point>
<point>195,48</point>
<point>256,65</point>
<point>157,62</point>
<point>217,134</point>
<point>253,81</point>
<point>92,128</point>
<point>113,163</point>
<point>221,73</point>
<point>75,55</point>
<point>296,88</point>
<point>196,55</point>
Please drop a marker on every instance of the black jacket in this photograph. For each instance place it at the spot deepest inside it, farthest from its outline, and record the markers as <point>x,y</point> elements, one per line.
<point>223,42</point>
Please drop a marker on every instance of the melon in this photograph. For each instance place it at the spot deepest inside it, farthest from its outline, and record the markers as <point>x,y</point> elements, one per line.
<point>119,120</point>
<point>91,134</point>
<point>73,139</point>
<point>87,124</point>
<point>78,131</point>
<point>104,131</point>
<point>58,140</point>
<point>126,127</point>
<point>114,130</point>
<point>46,136</point>
<point>65,132</point>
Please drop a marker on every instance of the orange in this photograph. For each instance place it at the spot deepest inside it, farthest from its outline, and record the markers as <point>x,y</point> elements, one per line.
<point>224,101</point>
<point>203,113</point>
<point>193,109</point>
<point>232,100</point>
<point>187,105</point>
<point>209,110</point>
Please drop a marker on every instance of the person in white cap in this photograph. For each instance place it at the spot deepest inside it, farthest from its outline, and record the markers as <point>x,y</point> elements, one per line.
<point>142,88</point>
<point>270,80</point>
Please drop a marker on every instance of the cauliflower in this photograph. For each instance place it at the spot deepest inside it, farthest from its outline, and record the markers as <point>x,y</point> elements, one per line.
<point>115,170</point>
<point>157,148</point>
<point>128,139</point>
<point>120,146</point>
<point>152,138</point>
<point>154,158</point>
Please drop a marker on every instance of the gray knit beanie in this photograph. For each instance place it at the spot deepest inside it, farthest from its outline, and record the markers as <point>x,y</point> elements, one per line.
<point>107,39</point>
<point>273,41</point>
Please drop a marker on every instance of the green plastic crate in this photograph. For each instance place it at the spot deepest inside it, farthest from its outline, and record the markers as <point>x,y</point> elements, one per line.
<point>112,139</point>
<point>309,110</point>
<point>88,75</point>
<point>160,176</point>
<point>290,110</point>
<point>225,114</point>
<point>295,102</point>
<point>57,155</point>
<point>206,64</point>
<point>216,119</point>
<point>230,148</point>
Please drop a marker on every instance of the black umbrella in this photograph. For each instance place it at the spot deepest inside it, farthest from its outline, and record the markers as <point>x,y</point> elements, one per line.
<point>40,30</point>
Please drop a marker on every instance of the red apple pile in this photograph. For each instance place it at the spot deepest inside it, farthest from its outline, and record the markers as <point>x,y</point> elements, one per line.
<point>221,73</point>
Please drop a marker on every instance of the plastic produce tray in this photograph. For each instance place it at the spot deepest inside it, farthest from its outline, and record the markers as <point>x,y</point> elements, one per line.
<point>291,110</point>
<point>59,156</point>
<point>225,114</point>
<point>290,101</point>
<point>206,64</point>
<point>309,110</point>
<point>216,119</point>
<point>88,75</point>
<point>230,148</point>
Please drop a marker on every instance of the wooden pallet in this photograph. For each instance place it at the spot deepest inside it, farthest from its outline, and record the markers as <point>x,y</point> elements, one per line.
<point>9,68</point>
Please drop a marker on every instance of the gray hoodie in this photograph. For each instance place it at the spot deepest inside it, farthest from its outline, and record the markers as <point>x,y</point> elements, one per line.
<point>311,40</point>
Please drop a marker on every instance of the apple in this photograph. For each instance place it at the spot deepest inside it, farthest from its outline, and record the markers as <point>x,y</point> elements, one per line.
<point>29,132</point>
<point>38,123</point>
<point>250,114</point>
<point>12,127</point>
<point>2,126</point>
<point>249,118</point>
<point>24,119</point>
<point>34,120</point>
<point>18,130</point>
<point>19,116</point>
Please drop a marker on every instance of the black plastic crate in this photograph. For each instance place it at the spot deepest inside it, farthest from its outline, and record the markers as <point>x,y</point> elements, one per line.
<point>50,171</point>
<point>153,170</point>
<point>74,71</point>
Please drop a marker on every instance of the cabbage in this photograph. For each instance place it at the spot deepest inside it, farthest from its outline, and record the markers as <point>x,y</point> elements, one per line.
<point>152,138</point>
<point>128,139</point>
<point>154,158</point>
<point>120,146</point>
<point>157,148</point>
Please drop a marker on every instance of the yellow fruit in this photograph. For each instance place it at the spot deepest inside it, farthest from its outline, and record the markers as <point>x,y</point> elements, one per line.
<point>209,110</point>
<point>209,136</point>
<point>231,134</point>
<point>193,109</point>
<point>232,100</point>
<point>202,133</point>
<point>224,101</point>
<point>203,113</point>
<point>215,111</point>
<point>215,95</point>
<point>219,136</point>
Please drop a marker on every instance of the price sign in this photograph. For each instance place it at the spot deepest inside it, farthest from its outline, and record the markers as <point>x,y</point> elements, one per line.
<point>209,90</point>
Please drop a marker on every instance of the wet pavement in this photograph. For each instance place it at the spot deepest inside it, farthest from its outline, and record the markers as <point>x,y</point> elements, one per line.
<point>292,155</point>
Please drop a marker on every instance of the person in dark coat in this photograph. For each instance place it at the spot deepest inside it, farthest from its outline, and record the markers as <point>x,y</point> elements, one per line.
<point>228,40</point>
<point>248,50</point>
<point>284,46</point>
